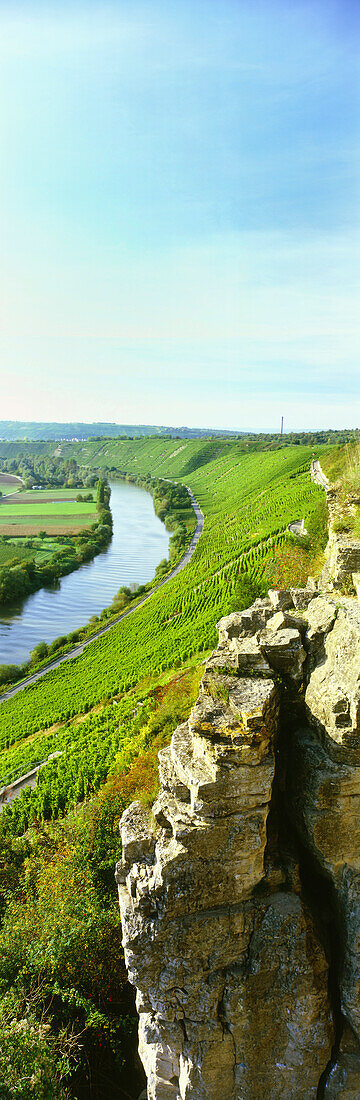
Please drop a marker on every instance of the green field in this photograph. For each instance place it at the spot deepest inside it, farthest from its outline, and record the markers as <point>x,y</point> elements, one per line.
<point>50,496</point>
<point>15,551</point>
<point>31,511</point>
<point>36,509</point>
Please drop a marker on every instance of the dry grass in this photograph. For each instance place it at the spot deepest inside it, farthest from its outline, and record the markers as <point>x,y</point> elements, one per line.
<point>46,496</point>
<point>342,466</point>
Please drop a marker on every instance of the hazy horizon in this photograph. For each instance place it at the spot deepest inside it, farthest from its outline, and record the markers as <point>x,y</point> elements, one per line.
<point>217,430</point>
<point>180,213</point>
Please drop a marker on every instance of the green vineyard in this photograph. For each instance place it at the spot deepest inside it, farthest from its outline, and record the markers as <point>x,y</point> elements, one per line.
<point>248,499</point>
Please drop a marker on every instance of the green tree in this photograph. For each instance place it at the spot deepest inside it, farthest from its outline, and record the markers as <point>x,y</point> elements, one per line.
<point>100,491</point>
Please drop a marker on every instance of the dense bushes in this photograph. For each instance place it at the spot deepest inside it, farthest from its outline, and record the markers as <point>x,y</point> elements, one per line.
<point>60,940</point>
<point>32,1060</point>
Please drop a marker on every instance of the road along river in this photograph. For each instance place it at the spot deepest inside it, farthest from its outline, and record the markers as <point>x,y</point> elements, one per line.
<point>75,652</point>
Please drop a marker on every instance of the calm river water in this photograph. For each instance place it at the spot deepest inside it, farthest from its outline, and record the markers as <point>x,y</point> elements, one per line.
<point>139,542</point>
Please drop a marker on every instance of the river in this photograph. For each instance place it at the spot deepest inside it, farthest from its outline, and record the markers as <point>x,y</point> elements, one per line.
<point>139,542</point>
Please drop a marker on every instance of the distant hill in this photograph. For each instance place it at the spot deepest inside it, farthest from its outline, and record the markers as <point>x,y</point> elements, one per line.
<point>46,431</point>
<point>35,430</point>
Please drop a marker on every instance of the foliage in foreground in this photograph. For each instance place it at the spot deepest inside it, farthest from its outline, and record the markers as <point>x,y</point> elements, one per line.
<point>61,962</point>
<point>33,1061</point>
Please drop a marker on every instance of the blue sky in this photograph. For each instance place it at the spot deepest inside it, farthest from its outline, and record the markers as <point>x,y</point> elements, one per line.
<point>180,212</point>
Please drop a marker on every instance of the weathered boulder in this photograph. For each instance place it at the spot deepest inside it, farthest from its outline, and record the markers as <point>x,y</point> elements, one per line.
<point>284,651</point>
<point>248,656</point>
<point>281,599</point>
<point>242,623</point>
<point>321,615</point>
<point>333,692</point>
<point>301,597</point>
<point>283,619</point>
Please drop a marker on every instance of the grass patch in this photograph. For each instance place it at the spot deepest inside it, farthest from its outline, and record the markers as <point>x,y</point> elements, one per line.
<point>48,496</point>
<point>42,509</point>
<point>56,524</point>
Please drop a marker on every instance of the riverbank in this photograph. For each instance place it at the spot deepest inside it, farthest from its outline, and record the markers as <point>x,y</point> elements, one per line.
<point>75,651</point>
<point>36,562</point>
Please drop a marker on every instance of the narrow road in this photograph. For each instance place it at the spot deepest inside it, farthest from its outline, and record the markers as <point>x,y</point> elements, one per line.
<point>14,787</point>
<point>317,474</point>
<point>76,652</point>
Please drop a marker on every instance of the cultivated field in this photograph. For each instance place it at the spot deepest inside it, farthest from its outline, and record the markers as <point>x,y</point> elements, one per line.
<point>10,553</point>
<point>48,496</point>
<point>55,511</point>
<point>9,483</point>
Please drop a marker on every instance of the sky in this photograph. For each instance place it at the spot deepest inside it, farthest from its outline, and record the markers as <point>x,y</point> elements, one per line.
<point>179,212</point>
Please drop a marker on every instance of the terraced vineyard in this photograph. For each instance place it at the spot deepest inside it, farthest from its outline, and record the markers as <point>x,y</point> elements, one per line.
<point>248,498</point>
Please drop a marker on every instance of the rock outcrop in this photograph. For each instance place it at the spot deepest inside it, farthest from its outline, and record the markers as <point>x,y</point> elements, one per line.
<point>343,559</point>
<point>342,552</point>
<point>240,889</point>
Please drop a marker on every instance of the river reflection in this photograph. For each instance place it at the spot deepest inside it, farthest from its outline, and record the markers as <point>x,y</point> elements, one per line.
<point>139,542</point>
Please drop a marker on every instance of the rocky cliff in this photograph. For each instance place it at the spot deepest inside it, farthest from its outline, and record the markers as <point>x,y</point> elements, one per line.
<point>240,890</point>
<point>342,565</point>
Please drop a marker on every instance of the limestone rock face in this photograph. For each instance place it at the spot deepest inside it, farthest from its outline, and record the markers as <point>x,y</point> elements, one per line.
<point>323,800</point>
<point>284,651</point>
<point>275,1004</point>
<point>344,1077</point>
<point>333,692</point>
<point>342,552</point>
<point>229,956</point>
<point>343,558</point>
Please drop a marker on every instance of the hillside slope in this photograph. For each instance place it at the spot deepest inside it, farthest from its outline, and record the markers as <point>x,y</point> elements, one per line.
<point>247,499</point>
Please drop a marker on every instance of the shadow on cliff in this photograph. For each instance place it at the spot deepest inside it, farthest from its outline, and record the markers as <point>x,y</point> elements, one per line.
<point>101,1077</point>
<point>307,876</point>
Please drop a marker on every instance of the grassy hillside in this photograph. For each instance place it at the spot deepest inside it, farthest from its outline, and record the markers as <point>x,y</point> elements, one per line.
<point>247,499</point>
